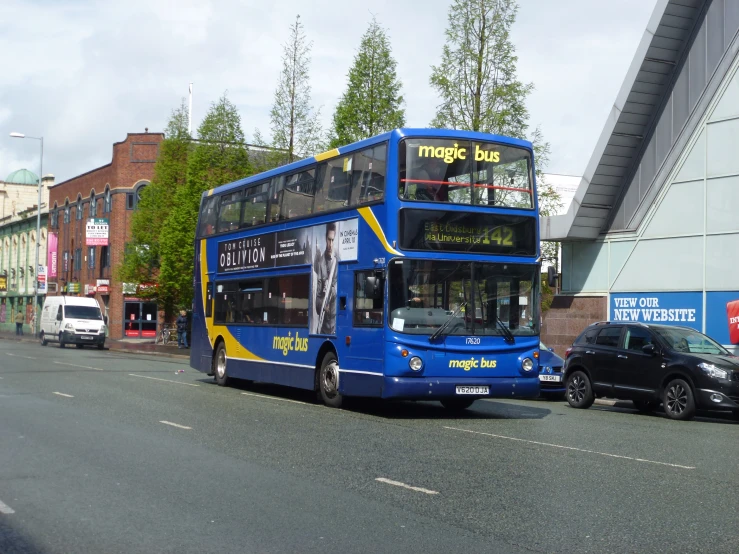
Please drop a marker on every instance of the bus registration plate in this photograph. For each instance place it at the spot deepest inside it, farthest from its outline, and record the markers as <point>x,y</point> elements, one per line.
<point>480,389</point>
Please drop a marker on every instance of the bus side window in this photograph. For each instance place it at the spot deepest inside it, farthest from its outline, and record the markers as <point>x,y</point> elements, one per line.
<point>333,185</point>
<point>276,190</point>
<point>208,216</point>
<point>368,180</point>
<point>369,299</point>
<point>255,205</point>
<point>297,194</point>
<point>209,300</point>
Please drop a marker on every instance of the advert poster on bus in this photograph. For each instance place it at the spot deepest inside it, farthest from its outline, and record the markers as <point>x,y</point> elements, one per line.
<point>286,248</point>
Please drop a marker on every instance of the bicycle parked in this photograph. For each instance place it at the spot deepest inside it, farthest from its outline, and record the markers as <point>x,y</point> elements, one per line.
<point>167,335</point>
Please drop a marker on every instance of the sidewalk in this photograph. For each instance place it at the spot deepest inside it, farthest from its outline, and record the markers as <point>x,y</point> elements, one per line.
<point>135,346</point>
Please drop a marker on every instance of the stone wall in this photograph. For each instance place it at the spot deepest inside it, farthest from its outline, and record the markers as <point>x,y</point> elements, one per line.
<point>568,317</point>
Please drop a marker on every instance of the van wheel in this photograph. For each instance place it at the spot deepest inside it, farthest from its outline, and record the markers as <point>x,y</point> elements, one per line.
<point>678,400</point>
<point>101,346</point>
<point>43,340</point>
<point>61,342</point>
<point>328,381</point>
<point>219,366</point>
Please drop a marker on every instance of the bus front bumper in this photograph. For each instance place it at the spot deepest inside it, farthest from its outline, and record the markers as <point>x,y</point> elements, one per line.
<point>435,388</point>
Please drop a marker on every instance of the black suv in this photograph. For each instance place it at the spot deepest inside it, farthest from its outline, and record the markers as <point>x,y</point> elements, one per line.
<point>648,364</point>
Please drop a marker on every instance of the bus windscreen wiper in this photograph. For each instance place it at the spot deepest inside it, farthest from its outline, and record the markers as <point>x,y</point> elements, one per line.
<point>506,331</point>
<point>444,325</point>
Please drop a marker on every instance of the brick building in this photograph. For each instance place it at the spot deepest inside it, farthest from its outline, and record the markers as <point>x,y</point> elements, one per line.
<point>89,226</point>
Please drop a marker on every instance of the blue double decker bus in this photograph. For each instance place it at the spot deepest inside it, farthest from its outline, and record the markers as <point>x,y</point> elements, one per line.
<point>403,266</point>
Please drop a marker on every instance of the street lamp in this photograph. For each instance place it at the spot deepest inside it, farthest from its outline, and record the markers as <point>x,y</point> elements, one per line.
<point>38,229</point>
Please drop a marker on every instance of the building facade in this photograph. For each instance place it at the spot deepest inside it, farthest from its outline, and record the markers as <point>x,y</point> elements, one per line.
<point>652,234</point>
<point>89,226</point>
<point>18,274</point>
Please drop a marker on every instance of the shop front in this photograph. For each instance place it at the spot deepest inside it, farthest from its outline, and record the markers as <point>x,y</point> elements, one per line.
<point>139,318</point>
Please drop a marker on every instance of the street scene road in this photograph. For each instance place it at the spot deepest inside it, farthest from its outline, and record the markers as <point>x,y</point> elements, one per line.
<point>103,451</point>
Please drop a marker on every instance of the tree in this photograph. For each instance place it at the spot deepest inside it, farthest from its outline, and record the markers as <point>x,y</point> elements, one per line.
<point>295,125</point>
<point>372,103</point>
<point>479,88</point>
<point>141,259</point>
<point>219,157</point>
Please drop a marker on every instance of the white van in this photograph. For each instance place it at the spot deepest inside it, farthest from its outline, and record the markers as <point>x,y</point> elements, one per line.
<point>72,320</point>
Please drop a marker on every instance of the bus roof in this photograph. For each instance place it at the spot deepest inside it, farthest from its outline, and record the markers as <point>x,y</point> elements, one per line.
<point>396,134</point>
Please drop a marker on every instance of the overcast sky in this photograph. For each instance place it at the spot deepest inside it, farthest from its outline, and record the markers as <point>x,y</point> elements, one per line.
<point>83,73</point>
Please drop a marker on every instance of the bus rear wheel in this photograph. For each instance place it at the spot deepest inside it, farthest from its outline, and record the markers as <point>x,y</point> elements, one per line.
<point>219,366</point>
<point>328,382</point>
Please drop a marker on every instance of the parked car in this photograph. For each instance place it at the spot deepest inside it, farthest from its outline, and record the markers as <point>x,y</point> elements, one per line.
<point>551,384</point>
<point>648,364</point>
<point>72,320</point>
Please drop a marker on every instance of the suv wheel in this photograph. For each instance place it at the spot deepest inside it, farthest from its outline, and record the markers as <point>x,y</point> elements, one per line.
<point>678,400</point>
<point>579,391</point>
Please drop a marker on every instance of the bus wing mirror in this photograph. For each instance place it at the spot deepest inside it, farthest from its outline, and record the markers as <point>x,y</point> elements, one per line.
<point>551,276</point>
<point>373,287</point>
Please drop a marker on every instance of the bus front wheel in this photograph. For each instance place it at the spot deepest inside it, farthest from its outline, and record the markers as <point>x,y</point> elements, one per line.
<point>219,366</point>
<point>328,381</point>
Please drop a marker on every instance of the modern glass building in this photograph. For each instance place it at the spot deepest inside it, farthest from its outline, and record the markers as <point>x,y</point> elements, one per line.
<point>653,231</point>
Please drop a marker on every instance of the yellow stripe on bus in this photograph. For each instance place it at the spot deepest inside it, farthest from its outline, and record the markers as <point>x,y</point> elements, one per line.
<point>369,216</point>
<point>233,348</point>
<point>326,155</point>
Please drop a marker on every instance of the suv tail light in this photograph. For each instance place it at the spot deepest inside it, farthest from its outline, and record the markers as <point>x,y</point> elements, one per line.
<point>567,352</point>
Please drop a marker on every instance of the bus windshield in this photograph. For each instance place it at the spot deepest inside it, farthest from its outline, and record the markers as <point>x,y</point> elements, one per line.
<point>425,293</point>
<point>465,172</point>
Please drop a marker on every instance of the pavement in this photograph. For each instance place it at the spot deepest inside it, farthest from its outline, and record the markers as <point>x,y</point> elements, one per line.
<point>119,452</point>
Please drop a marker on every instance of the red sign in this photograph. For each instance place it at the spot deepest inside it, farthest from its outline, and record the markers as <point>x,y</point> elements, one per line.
<point>103,288</point>
<point>732,314</point>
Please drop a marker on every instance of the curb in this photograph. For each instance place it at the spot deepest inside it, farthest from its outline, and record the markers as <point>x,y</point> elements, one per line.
<point>109,346</point>
<point>615,403</point>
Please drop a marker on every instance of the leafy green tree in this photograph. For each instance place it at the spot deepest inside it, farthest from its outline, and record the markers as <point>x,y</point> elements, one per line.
<point>476,78</point>
<point>479,87</point>
<point>141,260</point>
<point>219,157</point>
<point>372,103</point>
<point>295,125</point>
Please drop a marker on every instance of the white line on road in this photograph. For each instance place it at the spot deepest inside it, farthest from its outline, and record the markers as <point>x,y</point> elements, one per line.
<point>82,366</point>
<point>399,484</point>
<point>167,380</point>
<point>277,398</point>
<point>175,425</point>
<point>64,395</point>
<point>570,448</point>
<point>19,356</point>
<point>5,509</point>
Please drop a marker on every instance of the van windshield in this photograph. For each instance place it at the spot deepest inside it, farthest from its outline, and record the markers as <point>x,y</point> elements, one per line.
<point>82,312</point>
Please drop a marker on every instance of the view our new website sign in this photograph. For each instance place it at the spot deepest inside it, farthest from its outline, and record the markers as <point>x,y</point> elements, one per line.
<point>96,232</point>
<point>665,308</point>
<point>288,248</point>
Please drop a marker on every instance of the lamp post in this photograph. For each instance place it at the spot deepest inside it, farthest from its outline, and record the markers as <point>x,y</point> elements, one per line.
<point>38,229</point>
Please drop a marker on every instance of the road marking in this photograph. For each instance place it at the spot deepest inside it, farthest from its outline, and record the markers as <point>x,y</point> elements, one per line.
<point>277,398</point>
<point>5,509</point>
<point>571,448</point>
<point>167,380</point>
<point>64,395</point>
<point>19,356</point>
<point>175,425</point>
<point>82,366</point>
<point>399,484</point>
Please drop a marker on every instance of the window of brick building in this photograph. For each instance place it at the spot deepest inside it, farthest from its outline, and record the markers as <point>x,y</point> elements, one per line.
<point>79,207</point>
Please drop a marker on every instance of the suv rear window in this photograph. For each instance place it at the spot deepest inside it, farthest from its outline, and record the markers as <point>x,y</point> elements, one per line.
<point>609,336</point>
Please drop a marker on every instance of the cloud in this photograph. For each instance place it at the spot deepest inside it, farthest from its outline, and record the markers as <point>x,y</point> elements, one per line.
<point>99,70</point>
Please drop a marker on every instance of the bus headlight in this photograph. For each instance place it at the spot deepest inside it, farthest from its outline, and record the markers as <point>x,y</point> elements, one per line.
<point>527,364</point>
<point>415,363</point>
